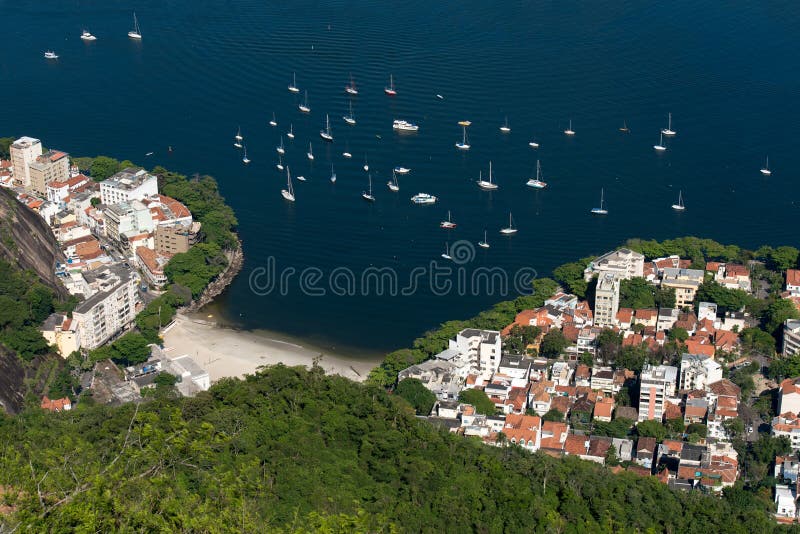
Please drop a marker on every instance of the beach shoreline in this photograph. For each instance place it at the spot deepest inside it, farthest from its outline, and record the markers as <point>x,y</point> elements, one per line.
<point>227,352</point>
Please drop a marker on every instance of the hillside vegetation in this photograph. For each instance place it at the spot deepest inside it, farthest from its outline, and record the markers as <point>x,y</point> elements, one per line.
<point>294,450</point>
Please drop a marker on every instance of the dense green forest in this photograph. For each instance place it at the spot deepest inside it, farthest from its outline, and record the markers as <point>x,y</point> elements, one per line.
<point>772,311</point>
<point>295,450</point>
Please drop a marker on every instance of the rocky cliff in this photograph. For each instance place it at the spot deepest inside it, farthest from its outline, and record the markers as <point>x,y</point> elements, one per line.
<point>27,241</point>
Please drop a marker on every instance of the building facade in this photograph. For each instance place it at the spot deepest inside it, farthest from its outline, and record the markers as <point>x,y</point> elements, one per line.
<point>24,151</point>
<point>606,300</point>
<point>50,167</point>
<point>697,371</point>
<point>109,309</point>
<point>657,383</point>
<point>129,184</point>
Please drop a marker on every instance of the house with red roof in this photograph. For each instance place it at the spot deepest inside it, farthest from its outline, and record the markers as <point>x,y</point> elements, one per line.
<point>793,282</point>
<point>56,405</point>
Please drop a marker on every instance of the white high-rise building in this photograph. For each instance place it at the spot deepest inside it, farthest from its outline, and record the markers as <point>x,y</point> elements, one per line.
<point>24,151</point>
<point>656,385</point>
<point>129,184</point>
<point>606,300</point>
<point>109,309</point>
<point>481,348</point>
<point>624,262</point>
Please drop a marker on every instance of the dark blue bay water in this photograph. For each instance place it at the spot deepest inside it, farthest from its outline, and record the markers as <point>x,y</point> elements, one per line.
<point>728,73</point>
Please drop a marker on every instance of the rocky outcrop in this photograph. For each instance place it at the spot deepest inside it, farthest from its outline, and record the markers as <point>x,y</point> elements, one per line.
<point>218,285</point>
<point>12,376</point>
<point>27,241</point>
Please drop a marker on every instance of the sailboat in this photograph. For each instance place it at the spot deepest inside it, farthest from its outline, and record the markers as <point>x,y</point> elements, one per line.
<point>534,143</point>
<point>346,152</point>
<point>602,209</point>
<point>50,55</point>
<point>304,104</point>
<point>367,195</point>
<point>237,139</point>
<point>463,145</point>
<point>366,164</point>
<point>485,242</point>
<point>487,185</point>
<point>509,230</point>
<point>393,185</point>
<point>279,165</point>
<point>660,146</point>
<point>326,133</point>
<point>569,131</point>
<point>402,170</point>
<point>333,175</point>
<point>279,149</point>
<point>135,33</point>
<point>288,193</point>
<point>537,182</point>
<point>310,153</point>
<point>293,86</point>
<point>245,159</point>
<point>301,178</point>
<point>446,254</point>
<point>765,171</point>
<point>448,224</point>
<point>87,36</point>
<point>273,122</point>
<point>624,127</point>
<point>679,206</point>
<point>350,118</point>
<point>668,131</point>
<point>290,133</point>
<point>350,89</point>
<point>391,91</point>
<point>505,128</point>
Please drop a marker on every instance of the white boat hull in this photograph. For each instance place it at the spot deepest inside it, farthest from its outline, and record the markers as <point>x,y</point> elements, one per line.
<point>667,131</point>
<point>536,184</point>
<point>678,207</point>
<point>462,146</point>
<point>508,231</point>
<point>134,35</point>
<point>599,211</point>
<point>533,144</point>
<point>660,148</point>
<point>766,172</point>
<point>287,195</point>
<point>488,186</point>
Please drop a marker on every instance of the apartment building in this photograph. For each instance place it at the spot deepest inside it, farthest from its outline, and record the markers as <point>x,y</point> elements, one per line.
<point>625,263</point>
<point>23,152</point>
<point>657,383</point>
<point>685,283</point>
<point>129,184</point>
<point>697,371</point>
<point>606,300</point>
<point>176,238</point>
<point>791,337</point>
<point>52,166</point>
<point>109,309</point>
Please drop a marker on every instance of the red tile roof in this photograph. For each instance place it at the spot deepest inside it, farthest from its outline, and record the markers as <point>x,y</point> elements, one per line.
<point>56,405</point>
<point>576,445</point>
<point>793,277</point>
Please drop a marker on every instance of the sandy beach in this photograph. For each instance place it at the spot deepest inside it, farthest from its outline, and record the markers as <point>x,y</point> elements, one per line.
<point>226,352</point>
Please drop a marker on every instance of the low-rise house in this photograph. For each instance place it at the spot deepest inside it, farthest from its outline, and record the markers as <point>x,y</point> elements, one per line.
<point>576,445</point>
<point>791,337</point>
<point>561,373</point>
<point>695,411</point>
<point>789,396</point>
<point>666,318</point>
<point>785,502</point>
<point>603,409</point>
<point>603,379</point>
<point>624,449</point>
<point>793,282</point>
<point>685,283</point>
<point>645,317</point>
<point>61,331</point>
<point>583,375</point>
<point>151,264</point>
<point>444,379</point>
<point>554,434</point>
<point>523,430</point>
<point>787,424</point>
<point>598,449</point>
<point>734,320</point>
<point>56,405</point>
<point>645,452</point>
<point>697,371</point>
<point>515,366</point>
<point>539,399</point>
<point>707,310</point>
<point>786,468</point>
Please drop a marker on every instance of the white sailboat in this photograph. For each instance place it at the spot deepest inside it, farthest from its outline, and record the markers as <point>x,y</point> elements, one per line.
<point>509,230</point>
<point>448,224</point>
<point>350,89</point>
<point>402,170</point>
<point>290,133</point>
<point>679,206</point>
<point>350,118</point>
<point>533,144</point>
<point>288,193</point>
<point>487,185</point>
<point>310,153</point>
<point>602,209</point>
<point>50,55</point>
<point>446,254</point>
<point>347,154</point>
<point>660,147</point>
<point>366,164</point>
<point>765,170</point>
<point>505,128</point>
<point>86,36</point>
<point>485,242</point>
<point>333,175</point>
<point>279,165</point>
<point>135,33</point>
<point>293,86</point>
<point>245,159</point>
<point>569,131</point>
<point>326,133</point>
<point>391,91</point>
<point>367,195</point>
<point>304,104</point>
<point>537,182</point>
<point>273,122</point>
<point>668,131</point>
<point>464,144</point>
<point>238,135</point>
<point>624,127</point>
<point>393,185</point>
<point>280,149</point>
<point>301,178</point>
